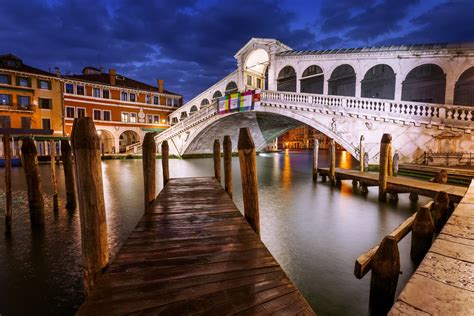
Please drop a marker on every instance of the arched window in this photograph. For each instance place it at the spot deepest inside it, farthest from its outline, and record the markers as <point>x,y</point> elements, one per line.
<point>342,81</point>
<point>231,88</point>
<point>204,102</point>
<point>464,89</point>
<point>193,109</point>
<point>174,120</point>
<point>287,79</point>
<point>312,80</point>
<point>379,83</point>
<point>425,83</point>
<point>183,115</point>
<point>216,95</point>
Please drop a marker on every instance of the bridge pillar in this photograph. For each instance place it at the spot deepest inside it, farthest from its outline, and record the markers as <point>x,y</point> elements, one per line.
<point>358,87</point>
<point>449,92</point>
<point>398,87</point>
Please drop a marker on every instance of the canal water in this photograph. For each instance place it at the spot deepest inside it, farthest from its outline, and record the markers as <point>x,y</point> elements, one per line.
<point>314,231</point>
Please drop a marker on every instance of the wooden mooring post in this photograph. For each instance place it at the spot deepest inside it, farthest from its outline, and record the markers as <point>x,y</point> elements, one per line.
<point>422,234</point>
<point>440,211</point>
<point>385,145</point>
<point>227,147</point>
<point>54,181</point>
<point>315,159</point>
<point>7,150</point>
<point>216,153</point>
<point>66,156</point>
<point>90,195</point>
<point>248,173</point>
<point>149,168</point>
<point>165,157</point>
<point>362,153</point>
<point>332,161</point>
<point>33,182</point>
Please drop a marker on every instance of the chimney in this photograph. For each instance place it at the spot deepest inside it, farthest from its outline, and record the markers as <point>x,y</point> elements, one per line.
<point>160,85</point>
<point>112,76</point>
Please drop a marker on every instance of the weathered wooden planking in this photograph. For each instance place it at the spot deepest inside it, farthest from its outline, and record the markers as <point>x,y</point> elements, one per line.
<point>443,284</point>
<point>193,252</point>
<point>401,184</point>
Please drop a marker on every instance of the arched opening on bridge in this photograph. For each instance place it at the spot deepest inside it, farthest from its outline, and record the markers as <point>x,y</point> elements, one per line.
<point>379,83</point>
<point>255,69</point>
<point>231,87</point>
<point>464,89</point>
<point>193,109</point>
<point>425,83</point>
<point>174,120</point>
<point>183,115</point>
<point>204,102</point>
<point>127,138</point>
<point>342,81</point>
<point>286,80</point>
<point>216,95</point>
<point>107,141</point>
<point>312,80</point>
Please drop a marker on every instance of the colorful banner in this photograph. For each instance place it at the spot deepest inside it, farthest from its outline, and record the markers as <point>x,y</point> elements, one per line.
<point>247,101</point>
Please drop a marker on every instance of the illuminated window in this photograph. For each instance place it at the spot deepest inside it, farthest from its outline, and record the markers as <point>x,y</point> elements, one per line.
<point>156,119</point>
<point>124,96</point>
<point>24,102</point>
<point>133,117</point>
<point>149,119</point>
<point>125,117</point>
<point>5,99</point>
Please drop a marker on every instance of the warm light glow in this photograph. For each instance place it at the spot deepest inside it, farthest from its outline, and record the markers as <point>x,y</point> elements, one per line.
<point>345,161</point>
<point>163,121</point>
<point>99,132</point>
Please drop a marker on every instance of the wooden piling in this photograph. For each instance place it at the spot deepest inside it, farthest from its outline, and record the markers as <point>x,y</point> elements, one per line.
<point>440,211</point>
<point>413,197</point>
<point>8,182</point>
<point>385,145</point>
<point>33,182</point>
<point>362,153</point>
<point>384,278</point>
<point>422,234</point>
<point>165,156</point>
<point>216,151</point>
<point>228,164</point>
<point>248,174</point>
<point>332,162</point>
<point>54,181</point>
<point>396,163</point>
<point>66,155</point>
<point>315,159</point>
<point>441,177</point>
<point>389,161</point>
<point>90,195</point>
<point>149,168</point>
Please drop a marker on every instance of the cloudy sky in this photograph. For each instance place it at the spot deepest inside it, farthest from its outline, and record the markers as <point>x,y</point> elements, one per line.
<point>190,43</point>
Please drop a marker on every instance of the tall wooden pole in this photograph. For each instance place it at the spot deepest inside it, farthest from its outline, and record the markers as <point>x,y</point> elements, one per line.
<point>383,165</point>
<point>149,168</point>
<point>421,234</point>
<point>8,183</point>
<point>54,181</point>
<point>315,159</point>
<point>33,181</point>
<point>216,151</point>
<point>66,155</point>
<point>90,195</point>
<point>248,173</point>
<point>165,156</point>
<point>440,211</point>
<point>361,153</point>
<point>332,162</point>
<point>228,164</point>
<point>389,161</point>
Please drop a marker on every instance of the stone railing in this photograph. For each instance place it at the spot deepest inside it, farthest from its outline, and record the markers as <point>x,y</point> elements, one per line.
<point>418,113</point>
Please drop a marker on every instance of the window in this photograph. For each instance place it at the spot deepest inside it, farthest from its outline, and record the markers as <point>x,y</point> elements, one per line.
<point>249,80</point>
<point>125,116</point>
<point>107,116</point>
<point>24,102</point>
<point>124,96</point>
<point>5,122</point>
<point>106,94</point>
<point>96,93</point>
<point>156,119</point>
<point>149,119</point>
<point>81,112</point>
<point>69,88</point>
<point>156,100</point>
<point>172,102</point>
<point>45,103</point>
<point>23,81</point>
<point>259,83</point>
<point>69,111</point>
<point>44,84</point>
<point>26,122</point>
<point>80,90</point>
<point>5,79</point>
<point>5,99</point>
<point>133,117</point>
<point>132,97</point>
<point>148,98</point>
<point>46,123</point>
<point>97,115</point>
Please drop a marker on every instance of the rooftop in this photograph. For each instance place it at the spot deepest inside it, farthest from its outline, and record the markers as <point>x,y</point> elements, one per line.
<point>14,63</point>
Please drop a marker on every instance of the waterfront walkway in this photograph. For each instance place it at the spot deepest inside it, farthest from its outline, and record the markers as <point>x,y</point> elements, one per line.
<point>400,184</point>
<point>194,252</point>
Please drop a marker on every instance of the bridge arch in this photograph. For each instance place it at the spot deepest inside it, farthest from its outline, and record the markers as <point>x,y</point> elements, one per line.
<point>216,95</point>
<point>204,102</point>
<point>425,83</point>
<point>312,80</point>
<point>286,80</point>
<point>464,88</point>
<point>379,82</point>
<point>107,141</point>
<point>342,81</point>
<point>193,109</point>
<point>231,87</point>
<point>127,138</point>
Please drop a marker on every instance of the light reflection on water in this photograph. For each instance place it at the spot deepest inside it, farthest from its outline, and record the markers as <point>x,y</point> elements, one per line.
<point>314,231</point>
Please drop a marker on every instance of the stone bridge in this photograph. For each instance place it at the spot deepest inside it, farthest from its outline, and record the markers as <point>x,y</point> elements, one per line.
<point>422,94</point>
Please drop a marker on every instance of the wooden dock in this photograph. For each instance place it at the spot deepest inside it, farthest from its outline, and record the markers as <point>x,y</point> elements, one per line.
<point>400,184</point>
<point>443,284</point>
<point>194,252</point>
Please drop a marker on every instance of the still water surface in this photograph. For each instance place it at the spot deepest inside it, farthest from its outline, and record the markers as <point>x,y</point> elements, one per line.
<point>314,231</point>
